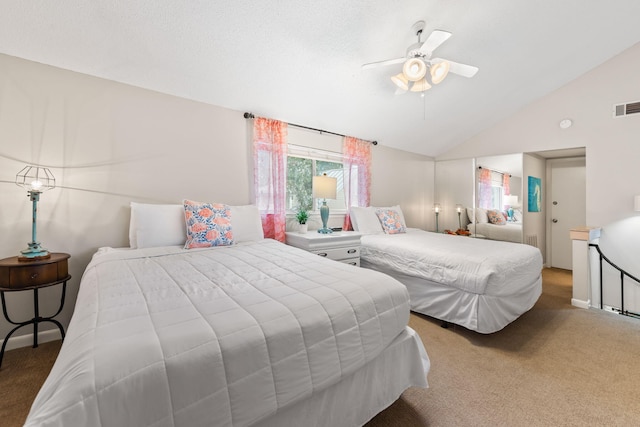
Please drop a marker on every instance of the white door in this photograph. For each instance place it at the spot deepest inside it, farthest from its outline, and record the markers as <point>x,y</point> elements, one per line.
<point>568,207</point>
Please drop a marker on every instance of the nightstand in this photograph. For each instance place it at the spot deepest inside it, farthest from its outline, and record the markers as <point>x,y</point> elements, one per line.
<point>343,246</point>
<point>18,275</point>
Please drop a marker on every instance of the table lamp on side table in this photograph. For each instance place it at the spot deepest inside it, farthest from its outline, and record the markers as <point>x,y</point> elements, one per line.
<point>36,180</point>
<point>324,187</point>
<point>510,201</point>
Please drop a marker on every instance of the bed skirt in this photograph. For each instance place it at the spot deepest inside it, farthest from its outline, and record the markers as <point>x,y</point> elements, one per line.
<point>481,313</point>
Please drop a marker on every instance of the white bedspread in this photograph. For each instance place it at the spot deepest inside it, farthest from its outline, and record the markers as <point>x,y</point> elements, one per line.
<point>472,265</point>
<point>509,232</point>
<point>221,336</point>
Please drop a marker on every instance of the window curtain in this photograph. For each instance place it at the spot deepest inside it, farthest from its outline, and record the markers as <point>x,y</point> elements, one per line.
<point>269,172</point>
<point>505,184</point>
<point>356,174</point>
<point>484,189</point>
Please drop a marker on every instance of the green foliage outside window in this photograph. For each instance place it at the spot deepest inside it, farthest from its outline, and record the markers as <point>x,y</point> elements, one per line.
<point>299,172</point>
<point>299,182</point>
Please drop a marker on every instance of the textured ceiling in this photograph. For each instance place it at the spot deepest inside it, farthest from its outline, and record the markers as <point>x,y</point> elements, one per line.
<point>299,61</point>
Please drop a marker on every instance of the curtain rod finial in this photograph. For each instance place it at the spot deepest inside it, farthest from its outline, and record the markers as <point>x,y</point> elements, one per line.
<point>374,142</point>
<point>248,115</point>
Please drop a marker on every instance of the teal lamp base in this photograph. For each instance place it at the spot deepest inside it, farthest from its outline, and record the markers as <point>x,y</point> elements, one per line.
<point>34,252</point>
<point>324,215</point>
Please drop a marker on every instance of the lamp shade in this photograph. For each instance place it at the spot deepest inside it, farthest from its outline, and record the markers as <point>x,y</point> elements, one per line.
<point>437,208</point>
<point>636,203</point>
<point>511,200</point>
<point>439,71</point>
<point>414,69</point>
<point>401,81</point>
<point>420,86</point>
<point>324,187</point>
<point>34,178</point>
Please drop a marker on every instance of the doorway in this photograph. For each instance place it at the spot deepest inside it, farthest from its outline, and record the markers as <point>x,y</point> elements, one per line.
<point>567,207</point>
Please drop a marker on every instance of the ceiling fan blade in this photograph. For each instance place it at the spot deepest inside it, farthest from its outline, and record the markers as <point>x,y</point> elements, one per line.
<point>457,68</point>
<point>435,39</point>
<point>383,63</point>
<point>400,91</point>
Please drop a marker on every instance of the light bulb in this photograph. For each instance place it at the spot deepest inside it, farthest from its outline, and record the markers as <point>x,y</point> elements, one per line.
<point>36,185</point>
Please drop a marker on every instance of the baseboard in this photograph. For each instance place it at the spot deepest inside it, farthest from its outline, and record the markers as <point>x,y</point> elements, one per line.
<point>27,340</point>
<point>579,303</point>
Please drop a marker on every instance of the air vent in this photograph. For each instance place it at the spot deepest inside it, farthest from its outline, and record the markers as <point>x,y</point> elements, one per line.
<point>622,110</point>
<point>532,240</point>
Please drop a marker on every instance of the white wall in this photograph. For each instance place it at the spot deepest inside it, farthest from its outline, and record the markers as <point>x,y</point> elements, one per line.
<point>454,185</point>
<point>533,223</point>
<point>611,144</point>
<point>403,178</point>
<point>109,144</point>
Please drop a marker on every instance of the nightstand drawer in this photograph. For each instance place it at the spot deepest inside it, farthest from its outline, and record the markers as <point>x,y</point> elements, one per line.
<point>351,261</point>
<point>17,275</point>
<point>339,254</point>
<point>23,277</point>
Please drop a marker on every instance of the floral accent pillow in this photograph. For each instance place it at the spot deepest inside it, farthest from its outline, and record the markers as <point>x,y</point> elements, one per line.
<point>207,224</point>
<point>391,221</point>
<point>496,217</point>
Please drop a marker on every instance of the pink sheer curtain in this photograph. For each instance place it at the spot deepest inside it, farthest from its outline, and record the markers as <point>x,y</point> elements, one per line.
<point>484,189</point>
<point>357,175</point>
<point>506,189</point>
<point>269,172</point>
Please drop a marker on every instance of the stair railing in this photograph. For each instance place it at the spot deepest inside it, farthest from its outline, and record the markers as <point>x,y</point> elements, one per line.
<point>623,273</point>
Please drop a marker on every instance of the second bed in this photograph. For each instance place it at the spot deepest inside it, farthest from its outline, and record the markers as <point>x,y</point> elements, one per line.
<point>480,284</point>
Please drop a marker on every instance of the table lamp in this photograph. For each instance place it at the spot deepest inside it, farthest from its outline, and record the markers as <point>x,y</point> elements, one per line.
<point>510,201</point>
<point>36,180</point>
<point>324,187</point>
<point>459,210</point>
<point>437,209</point>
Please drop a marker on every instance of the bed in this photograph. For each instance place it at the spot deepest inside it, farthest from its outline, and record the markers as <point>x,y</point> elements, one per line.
<point>480,284</point>
<point>489,225</point>
<point>508,232</point>
<point>250,333</point>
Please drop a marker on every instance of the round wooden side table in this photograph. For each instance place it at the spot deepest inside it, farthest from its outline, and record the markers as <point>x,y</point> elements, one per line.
<point>16,275</point>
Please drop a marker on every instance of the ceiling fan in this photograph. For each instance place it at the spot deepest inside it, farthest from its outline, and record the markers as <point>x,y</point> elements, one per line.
<point>420,70</point>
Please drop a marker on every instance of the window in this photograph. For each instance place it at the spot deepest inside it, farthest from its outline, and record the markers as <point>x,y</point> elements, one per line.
<point>495,191</point>
<point>302,165</point>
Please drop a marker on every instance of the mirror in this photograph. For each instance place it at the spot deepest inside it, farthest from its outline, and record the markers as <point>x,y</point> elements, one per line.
<point>453,187</point>
<point>498,188</point>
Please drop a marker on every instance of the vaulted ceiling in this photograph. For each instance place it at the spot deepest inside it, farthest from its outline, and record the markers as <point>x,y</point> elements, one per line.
<point>300,61</point>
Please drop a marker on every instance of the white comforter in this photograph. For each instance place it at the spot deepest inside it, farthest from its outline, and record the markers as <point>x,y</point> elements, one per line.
<point>221,336</point>
<point>509,232</point>
<point>473,265</point>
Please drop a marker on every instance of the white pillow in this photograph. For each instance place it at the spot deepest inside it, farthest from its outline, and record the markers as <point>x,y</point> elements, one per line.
<point>156,225</point>
<point>365,220</point>
<point>517,215</point>
<point>481,216</point>
<point>470,215</point>
<point>246,223</point>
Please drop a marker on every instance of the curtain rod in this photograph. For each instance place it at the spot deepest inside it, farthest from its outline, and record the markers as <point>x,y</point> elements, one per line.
<point>493,170</point>
<point>251,116</point>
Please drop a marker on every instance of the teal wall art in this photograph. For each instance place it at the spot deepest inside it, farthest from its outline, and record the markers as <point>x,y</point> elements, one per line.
<point>535,194</point>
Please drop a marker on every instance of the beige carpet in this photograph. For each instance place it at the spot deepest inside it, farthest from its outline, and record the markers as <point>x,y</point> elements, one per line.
<point>555,366</point>
<point>21,376</point>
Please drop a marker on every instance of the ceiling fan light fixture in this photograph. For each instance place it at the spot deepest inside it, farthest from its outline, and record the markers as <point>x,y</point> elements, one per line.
<point>439,71</point>
<point>401,81</point>
<point>414,69</point>
<point>421,86</point>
